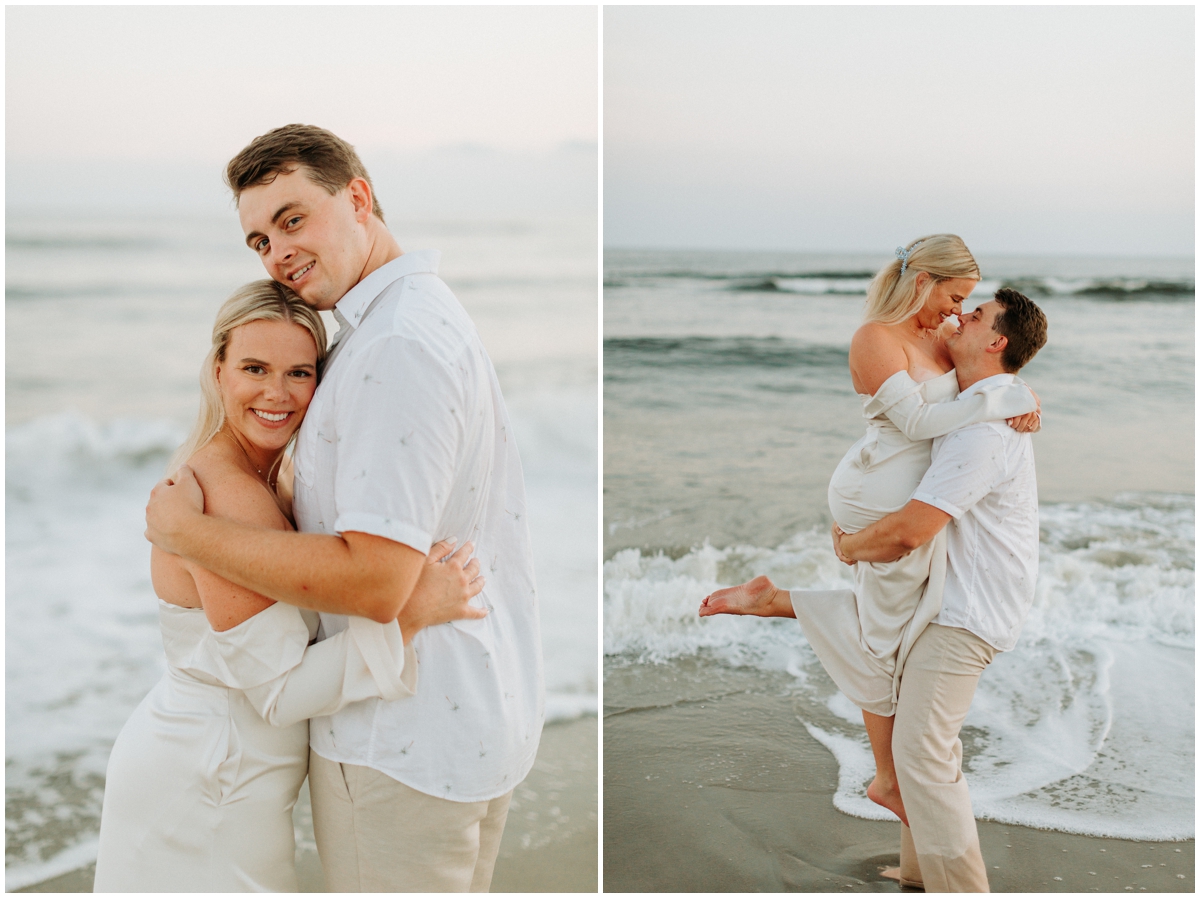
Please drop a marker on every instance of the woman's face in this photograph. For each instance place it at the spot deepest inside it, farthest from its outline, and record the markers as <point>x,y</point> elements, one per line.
<point>945,299</point>
<point>267,381</point>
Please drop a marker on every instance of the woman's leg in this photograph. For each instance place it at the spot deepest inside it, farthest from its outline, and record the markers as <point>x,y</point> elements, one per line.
<point>883,789</point>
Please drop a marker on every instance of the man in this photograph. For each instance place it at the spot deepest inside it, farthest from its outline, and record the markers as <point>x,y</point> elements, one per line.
<point>981,483</point>
<point>406,442</point>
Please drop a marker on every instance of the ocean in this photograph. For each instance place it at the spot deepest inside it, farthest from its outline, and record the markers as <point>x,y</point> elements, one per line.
<point>727,405</point>
<point>107,321</point>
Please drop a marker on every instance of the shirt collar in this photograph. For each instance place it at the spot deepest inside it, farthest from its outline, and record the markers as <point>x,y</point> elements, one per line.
<point>351,308</point>
<point>995,379</point>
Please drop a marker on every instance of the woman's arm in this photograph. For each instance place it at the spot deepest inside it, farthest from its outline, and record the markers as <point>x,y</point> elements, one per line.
<point>1030,422</point>
<point>900,399</point>
<point>234,495</point>
<point>366,660</point>
<point>286,680</point>
<point>171,580</point>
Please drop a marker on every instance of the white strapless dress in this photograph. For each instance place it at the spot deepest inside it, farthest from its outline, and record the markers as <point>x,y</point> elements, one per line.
<point>203,777</point>
<point>862,636</point>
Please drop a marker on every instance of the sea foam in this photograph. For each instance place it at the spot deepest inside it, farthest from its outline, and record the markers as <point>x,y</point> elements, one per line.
<point>1085,727</point>
<point>82,636</point>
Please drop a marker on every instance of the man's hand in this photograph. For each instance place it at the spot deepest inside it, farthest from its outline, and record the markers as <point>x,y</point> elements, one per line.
<point>892,536</point>
<point>174,503</point>
<point>838,533</point>
<point>444,590</point>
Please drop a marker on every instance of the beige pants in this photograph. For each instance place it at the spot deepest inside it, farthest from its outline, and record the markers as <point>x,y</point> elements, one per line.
<point>375,834</point>
<point>940,675</point>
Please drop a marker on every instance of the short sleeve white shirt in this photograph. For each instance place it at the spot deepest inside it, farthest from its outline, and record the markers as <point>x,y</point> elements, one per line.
<point>983,476</point>
<point>408,438</point>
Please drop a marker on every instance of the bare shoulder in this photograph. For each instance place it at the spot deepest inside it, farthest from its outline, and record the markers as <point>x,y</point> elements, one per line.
<point>876,353</point>
<point>231,492</point>
<point>873,333</point>
<point>873,340</point>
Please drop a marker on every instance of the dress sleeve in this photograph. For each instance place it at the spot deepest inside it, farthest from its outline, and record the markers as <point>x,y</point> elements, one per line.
<point>286,680</point>
<point>901,401</point>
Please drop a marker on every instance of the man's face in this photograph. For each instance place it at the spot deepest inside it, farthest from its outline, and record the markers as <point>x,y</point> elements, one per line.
<point>312,241</point>
<point>975,334</point>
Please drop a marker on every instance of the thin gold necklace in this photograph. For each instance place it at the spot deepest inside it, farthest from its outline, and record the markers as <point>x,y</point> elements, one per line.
<point>266,479</point>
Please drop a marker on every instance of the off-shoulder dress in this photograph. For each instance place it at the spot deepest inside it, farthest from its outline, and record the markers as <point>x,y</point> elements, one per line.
<point>203,777</point>
<point>862,636</point>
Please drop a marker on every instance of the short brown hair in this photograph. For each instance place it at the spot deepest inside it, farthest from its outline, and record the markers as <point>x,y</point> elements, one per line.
<point>327,159</point>
<point>1023,323</point>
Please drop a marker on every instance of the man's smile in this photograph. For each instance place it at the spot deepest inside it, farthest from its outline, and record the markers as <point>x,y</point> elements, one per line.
<point>301,273</point>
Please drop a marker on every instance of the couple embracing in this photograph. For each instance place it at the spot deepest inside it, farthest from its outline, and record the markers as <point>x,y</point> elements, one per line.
<point>936,509</point>
<point>325,584</point>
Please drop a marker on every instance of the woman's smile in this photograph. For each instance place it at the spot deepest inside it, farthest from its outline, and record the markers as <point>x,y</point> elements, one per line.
<point>267,381</point>
<point>271,417</point>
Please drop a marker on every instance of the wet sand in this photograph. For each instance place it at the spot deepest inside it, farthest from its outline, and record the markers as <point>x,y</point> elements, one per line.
<point>549,842</point>
<point>712,784</point>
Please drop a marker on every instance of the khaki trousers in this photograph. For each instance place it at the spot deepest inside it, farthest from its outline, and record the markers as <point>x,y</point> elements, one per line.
<point>375,834</point>
<point>940,675</point>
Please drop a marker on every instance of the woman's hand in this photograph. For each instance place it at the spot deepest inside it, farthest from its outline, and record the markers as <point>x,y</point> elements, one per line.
<point>1030,422</point>
<point>447,584</point>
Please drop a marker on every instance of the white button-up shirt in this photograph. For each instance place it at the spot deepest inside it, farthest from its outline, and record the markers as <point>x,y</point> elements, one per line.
<point>983,476</point>
<point>408,438</point>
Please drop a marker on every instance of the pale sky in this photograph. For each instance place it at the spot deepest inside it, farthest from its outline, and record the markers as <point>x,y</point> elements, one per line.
<point>1022,128</point>
<point>96,95</point>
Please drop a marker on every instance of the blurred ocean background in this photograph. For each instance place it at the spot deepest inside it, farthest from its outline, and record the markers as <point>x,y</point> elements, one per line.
<point>108,319</point>
<point>727,405</point>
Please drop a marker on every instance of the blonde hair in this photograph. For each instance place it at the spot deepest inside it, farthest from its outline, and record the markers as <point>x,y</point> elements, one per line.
<point>893,296</point>
<point>264,300</point>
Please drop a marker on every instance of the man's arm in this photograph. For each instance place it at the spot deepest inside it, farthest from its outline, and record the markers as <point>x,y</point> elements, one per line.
<point>893,536</point>
<point>357,573</point>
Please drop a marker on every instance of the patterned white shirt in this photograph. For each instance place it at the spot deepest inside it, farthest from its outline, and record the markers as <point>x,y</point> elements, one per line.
<point>982,475</point>
<point>408,438</point>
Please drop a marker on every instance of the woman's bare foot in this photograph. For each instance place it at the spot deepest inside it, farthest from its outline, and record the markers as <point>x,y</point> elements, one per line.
<point>887,795</point>
<point>759,597</point>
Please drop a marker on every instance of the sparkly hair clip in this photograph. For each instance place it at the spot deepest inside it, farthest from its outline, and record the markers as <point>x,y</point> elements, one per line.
<point>902,254</point>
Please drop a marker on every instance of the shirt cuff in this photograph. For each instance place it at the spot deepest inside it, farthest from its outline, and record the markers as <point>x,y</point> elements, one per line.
<point>941,504</point>
<point>389,528</point>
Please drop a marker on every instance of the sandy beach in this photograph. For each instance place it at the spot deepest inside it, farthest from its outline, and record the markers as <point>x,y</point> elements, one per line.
<point>549,841</point>
<point>712,784</point>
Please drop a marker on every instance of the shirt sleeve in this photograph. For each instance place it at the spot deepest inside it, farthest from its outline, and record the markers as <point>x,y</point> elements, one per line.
<point>399,423</point>
<point>968,464</point>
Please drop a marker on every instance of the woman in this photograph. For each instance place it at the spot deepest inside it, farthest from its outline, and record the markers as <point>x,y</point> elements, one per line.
<point>902,371</point>
<point>203,778</point>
